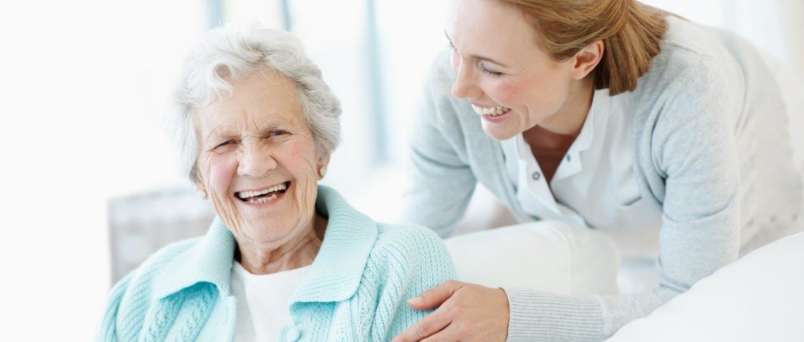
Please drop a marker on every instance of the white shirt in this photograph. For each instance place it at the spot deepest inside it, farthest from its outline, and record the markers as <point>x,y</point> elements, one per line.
<point>263,302</point>
<point>595,184</point>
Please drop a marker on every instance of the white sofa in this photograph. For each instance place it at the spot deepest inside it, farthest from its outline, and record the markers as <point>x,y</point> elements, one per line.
<point>757,298</point>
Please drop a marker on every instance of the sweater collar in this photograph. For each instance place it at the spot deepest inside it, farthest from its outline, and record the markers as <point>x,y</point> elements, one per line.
<point>334,275</point>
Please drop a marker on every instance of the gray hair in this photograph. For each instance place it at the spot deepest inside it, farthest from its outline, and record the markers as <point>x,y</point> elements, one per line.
<point>227,54</point>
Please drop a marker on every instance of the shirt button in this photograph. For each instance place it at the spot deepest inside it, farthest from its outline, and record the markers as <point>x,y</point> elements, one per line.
<point>292,334</point>
<point>536,175</point>
<point>569,158</point>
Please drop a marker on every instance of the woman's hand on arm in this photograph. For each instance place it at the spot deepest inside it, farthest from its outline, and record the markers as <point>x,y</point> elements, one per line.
<point>465,312</point>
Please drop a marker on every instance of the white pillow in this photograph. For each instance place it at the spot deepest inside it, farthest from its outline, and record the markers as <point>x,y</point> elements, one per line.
<point>757,298</point>
<point>548,255</point>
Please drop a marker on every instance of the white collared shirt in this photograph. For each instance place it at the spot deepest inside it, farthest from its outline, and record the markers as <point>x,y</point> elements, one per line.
<point>263,302</point>
<point>595,184</point>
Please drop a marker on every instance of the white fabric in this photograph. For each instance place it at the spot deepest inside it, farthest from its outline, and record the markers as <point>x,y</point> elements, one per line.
<point>609,198</point>
<point>550,256</point>
<point>757,298</point>
<point>263,302</point>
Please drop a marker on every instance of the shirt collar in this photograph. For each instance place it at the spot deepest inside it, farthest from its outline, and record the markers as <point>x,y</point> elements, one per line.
<point>338,268</point>
<point>208,260</point>
<point>594,125</point>
<point>516,145</point>
<point>334,275</point>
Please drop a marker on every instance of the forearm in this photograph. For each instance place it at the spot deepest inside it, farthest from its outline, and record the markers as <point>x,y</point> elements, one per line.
<point>538,316</point>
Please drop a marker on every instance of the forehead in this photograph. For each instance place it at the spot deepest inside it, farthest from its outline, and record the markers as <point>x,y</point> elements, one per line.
<point>489,26</point>
<point>257,101</point>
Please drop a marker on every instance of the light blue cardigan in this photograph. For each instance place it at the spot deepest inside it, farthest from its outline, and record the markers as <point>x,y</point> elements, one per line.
<point>356,289</point>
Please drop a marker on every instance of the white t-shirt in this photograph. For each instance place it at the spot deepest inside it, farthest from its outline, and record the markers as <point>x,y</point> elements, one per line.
<point>263,302</point>
<point>595,183</point>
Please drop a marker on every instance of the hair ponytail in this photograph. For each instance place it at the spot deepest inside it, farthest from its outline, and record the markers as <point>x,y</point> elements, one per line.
<point>631,32</point>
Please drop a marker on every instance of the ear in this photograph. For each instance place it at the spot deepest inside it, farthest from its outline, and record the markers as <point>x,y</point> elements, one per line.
<point>321,166</point>
<point>202,190</point>
<point>199,184</point>
<point>587,59</point>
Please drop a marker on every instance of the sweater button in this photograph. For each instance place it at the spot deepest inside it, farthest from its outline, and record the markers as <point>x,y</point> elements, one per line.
<point>293,334</point>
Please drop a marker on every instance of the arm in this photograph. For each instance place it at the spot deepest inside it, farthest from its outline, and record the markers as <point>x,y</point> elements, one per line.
<point>692,146</point>
<point>441,182</point>
<point>108,328</point>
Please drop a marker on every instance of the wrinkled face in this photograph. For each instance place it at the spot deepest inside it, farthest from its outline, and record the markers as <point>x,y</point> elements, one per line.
<point>511,82</point>
<point>258,160</point>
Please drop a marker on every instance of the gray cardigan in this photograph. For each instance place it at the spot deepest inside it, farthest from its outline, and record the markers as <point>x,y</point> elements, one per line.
<point>711,148</point>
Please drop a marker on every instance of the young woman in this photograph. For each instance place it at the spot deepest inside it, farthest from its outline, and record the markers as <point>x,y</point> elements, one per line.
<point>608,114</point>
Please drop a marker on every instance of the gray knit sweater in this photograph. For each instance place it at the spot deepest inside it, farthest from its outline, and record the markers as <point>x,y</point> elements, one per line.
<point>711,148</point>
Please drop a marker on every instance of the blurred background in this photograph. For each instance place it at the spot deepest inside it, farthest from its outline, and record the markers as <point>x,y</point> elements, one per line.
<point>89,181</point>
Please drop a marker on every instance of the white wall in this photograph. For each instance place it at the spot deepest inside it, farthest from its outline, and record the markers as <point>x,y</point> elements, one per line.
<point>78,124</point>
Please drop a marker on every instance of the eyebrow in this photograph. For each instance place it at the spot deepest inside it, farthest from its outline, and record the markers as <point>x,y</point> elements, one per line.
<point>478,57</point>
<point>221,132</point>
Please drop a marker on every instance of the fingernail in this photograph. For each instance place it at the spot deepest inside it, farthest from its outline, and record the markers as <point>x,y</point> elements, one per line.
<point>414,300</point>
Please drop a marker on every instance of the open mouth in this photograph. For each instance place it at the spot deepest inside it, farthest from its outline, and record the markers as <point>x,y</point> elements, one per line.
<point>262,196</point>
<point>491,111</point>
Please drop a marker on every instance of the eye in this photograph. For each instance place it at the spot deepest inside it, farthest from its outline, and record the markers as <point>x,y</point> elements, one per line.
<point>276,133</point>
<point>223,144</point>
<point>484,69</point>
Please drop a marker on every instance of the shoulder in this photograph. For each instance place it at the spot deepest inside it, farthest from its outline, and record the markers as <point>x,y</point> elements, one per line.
<point>693,59</point>
<point>130,298</point>
<point>440,74</point>
<point>407,239</point>
<point>137,286</point>
<point>439,103</point>
<point>442,119</point>
<point>695,79</point>
<point>406,248</point>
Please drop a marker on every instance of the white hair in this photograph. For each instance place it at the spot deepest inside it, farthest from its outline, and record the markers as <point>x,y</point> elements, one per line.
<point>227,54</point>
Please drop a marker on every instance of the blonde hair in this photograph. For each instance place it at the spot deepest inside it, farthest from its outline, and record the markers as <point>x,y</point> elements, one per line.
<point>631,32</point>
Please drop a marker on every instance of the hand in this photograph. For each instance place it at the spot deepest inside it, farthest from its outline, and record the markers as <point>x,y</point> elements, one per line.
<point>466,312</point>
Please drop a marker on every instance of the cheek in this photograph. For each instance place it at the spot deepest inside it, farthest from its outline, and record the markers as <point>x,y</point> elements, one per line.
<point>509,94</point>
<point>541,93</point>
<point>221,171</point>
<point>302,159</point>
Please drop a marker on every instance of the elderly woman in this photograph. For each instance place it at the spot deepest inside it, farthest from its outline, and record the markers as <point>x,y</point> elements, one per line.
<point>285,258</point>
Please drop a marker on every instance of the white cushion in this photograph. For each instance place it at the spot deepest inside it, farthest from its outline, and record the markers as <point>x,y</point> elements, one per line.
<point>757,298</point>
<point>547,255</point>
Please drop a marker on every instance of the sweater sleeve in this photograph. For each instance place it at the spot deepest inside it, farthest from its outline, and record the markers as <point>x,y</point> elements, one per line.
<point>693,149</point>
<point>441,181</point>
<point>409,261</point>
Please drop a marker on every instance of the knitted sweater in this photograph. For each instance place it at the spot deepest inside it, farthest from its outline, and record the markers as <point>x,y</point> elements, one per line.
<point>356,288</point>
<point>711,148</point>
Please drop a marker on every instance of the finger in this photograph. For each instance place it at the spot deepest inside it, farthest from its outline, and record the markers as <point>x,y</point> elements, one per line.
<point>434,297</point>
<point>449,333</point>
<point>429,325</point>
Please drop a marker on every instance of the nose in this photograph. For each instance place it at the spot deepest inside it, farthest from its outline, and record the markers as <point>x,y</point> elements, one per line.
<point>464,84</point>
<point>255,160</point>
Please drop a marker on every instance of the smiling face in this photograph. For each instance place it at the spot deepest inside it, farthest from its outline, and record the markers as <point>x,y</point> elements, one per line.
<point>258,161</point>
<point>511,82</point>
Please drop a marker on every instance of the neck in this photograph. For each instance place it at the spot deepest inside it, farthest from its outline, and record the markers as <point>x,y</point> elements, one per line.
<point>569,120</point>
<point>298,251</point>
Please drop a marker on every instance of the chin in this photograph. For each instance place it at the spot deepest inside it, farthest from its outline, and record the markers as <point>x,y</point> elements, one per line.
<point>499,134</point>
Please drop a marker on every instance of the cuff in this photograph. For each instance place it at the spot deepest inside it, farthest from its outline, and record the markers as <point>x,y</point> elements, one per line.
<point>536,316</point>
